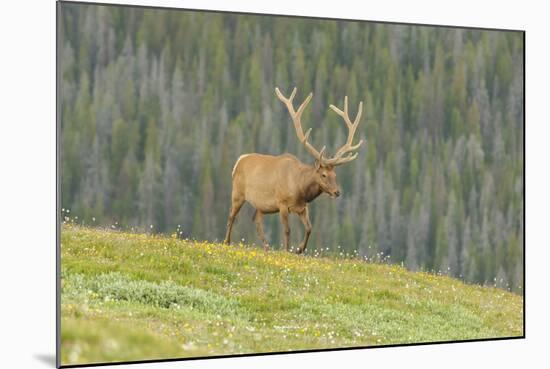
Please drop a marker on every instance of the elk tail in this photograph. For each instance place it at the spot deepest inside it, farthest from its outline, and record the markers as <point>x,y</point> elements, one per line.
<point>237,163</point>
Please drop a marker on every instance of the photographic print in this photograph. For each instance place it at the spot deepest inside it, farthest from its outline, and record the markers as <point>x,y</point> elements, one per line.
<point>239,184</point>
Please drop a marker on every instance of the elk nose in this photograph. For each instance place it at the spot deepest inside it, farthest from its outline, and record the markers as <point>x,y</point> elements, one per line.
<point>337,193</point>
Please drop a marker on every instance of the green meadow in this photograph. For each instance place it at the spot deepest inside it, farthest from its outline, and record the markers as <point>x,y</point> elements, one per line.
<point>128,296</point>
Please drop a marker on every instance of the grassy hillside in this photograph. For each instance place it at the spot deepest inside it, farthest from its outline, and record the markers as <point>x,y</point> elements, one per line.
<point>135,297</point>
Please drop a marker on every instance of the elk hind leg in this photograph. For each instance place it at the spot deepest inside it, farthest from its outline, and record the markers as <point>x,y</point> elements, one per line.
<point>236,204</point>
<point>258,219</point>
<point>283,212</point>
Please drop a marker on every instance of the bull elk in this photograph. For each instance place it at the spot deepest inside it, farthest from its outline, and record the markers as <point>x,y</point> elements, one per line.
<point>283,184</point>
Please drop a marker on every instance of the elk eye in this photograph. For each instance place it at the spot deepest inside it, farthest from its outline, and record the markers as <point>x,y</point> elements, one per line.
<point>324,175</point>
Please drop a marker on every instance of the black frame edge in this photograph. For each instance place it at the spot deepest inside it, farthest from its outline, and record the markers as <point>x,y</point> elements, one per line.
<point>57,188</point>
<point>524,183</point>
<point>153,7</point>
<point>288,352</point>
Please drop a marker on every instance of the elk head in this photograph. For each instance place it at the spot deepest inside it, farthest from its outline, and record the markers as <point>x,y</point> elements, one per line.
<point>325,176</point>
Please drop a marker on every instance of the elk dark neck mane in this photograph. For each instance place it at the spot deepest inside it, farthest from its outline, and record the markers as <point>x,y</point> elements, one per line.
<point>310,189</point>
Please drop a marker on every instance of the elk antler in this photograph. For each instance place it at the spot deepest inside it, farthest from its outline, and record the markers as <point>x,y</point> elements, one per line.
<point>339,157</point>
<point>296,116</point>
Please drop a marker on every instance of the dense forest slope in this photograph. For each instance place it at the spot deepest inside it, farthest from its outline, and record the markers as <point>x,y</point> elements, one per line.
<point>128,296</point>
<point>157,105</point>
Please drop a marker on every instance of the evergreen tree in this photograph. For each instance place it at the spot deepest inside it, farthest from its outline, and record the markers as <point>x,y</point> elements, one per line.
<point>157,106</point>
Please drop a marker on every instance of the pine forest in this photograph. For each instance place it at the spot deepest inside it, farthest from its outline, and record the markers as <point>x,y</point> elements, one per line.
<point>155,107</point>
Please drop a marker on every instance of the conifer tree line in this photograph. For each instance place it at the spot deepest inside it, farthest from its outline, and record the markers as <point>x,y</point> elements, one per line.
<point>157,105</point>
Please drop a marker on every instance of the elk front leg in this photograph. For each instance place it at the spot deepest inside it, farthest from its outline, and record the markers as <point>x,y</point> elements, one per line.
<point>236,204</point>
<point>258,219</point>
<point>304,217</point>
<point>283,212</point>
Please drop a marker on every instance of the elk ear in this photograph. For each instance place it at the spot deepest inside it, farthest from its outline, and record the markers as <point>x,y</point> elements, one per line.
<point>319,161</point>
<point>317,164</point>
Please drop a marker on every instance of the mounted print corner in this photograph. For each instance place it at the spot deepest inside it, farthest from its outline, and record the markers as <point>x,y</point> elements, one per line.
<point>239,184</point>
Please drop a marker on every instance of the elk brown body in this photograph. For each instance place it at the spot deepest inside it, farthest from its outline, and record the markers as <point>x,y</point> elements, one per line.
<point>283,184</point>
